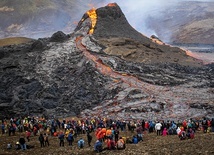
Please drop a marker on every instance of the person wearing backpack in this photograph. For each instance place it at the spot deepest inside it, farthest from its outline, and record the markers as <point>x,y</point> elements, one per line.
<point>42,140</point>
<point>70,139</point>
<point>204,125</point>
<point>182,135</point>
<point>81,143</point>
<point>120,144</point>
<point>98,146</point>
<point>134,140</point>
<point>111,144</point>
<point>190,133</point>
<point>61,139</point>
<point>28,133</point>
<point>158,126</point>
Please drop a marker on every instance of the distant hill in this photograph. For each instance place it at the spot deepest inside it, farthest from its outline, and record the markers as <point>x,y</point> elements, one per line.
<point>39,18</point>
<point>14,40</point>
<point>182,22</point>
<point>185,22</point>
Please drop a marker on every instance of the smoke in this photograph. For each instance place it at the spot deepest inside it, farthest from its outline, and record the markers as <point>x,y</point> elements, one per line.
<point>139,12</point>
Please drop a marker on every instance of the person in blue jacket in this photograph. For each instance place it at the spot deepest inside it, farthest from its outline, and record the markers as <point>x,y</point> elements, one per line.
<point>98,146</point>
<point>81,143</point>
<point>134,140</point>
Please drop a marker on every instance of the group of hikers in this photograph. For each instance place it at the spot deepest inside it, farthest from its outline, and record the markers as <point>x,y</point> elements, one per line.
<point>107,131</point>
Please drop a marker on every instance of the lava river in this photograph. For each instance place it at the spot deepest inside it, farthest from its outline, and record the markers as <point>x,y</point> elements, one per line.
<point>176,98</point>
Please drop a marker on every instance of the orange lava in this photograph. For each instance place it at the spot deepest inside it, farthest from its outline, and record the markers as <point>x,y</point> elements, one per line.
<point>189,53</point>
<point>106,70</point>
<point>111,4</point>
<point>157,41</point>
<point>93,16</point>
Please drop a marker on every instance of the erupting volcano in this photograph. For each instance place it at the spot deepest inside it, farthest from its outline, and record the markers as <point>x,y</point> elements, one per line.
<point>104,68</point>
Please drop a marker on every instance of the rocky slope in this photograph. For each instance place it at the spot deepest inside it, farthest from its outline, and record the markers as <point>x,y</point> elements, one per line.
<point>115,72</point>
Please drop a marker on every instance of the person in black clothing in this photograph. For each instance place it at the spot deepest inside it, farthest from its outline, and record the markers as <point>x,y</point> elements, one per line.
<point>61,139</point>
<point>89,138</point>
<point>143,125</point>
<point>204,125</point>
<point>116,136</point>
<point>212,125</point>
<point>42,140</point>
<point>22,143</point>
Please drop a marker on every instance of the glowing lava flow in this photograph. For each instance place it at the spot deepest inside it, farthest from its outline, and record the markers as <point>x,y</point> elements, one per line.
<point>172,96</point>
<point>93,16</point>
<point>106,70</point>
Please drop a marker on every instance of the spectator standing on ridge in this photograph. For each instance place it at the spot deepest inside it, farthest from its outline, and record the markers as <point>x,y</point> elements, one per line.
<point>42,140</point>
<point>158,126</point>
<point>212,125</point>
<point>204,125</point>
<point>61,139</point>
<point>28,133</point>
<point>2,128</point>
<point>46,139</point>
<point>89,138</point>
<point>70,139</point>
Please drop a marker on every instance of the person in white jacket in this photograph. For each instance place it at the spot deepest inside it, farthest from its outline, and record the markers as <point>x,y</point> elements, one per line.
<point>158,126</point>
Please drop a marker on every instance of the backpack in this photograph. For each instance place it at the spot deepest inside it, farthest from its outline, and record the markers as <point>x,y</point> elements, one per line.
<point>70,137</point>
<point>61,137</point>
<point>98,147</point>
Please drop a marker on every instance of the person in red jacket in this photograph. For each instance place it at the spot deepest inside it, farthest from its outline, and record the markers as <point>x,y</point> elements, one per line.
<point>28,133</point>
<point>111,144</point>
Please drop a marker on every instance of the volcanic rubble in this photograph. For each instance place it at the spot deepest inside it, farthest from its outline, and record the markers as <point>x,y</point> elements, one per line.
<point>114,72</point>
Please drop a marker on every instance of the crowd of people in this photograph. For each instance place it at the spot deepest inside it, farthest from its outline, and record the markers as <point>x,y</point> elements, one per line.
<point>106,131</point>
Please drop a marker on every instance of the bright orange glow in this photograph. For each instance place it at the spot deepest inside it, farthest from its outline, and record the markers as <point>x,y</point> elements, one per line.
<point>191,54</point>
<point>157,41</point>
<point>111,4</point>
<point>93,16</point>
